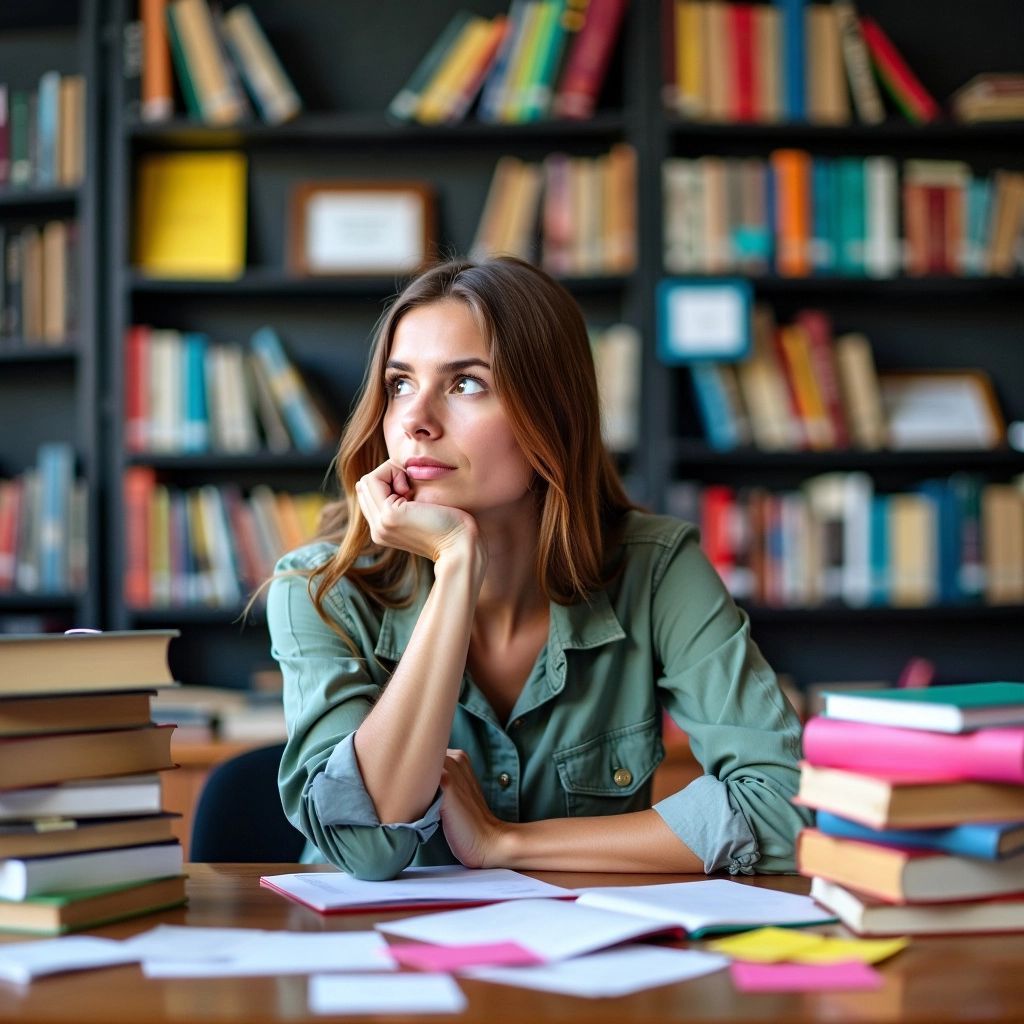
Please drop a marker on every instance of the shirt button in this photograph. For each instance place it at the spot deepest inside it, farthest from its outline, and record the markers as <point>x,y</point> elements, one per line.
<point>518,722</point>
<point>622,777</point>
<point>504,780</point>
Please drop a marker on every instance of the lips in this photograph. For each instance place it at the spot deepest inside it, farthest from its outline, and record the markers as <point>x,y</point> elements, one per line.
<point>427,469</point>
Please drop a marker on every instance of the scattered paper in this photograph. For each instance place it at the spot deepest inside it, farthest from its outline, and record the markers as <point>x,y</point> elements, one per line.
<point>20,962</point>
<point>551,929</point>
<point>285,953</point>
<point>335,890</point>
<point>453,958</point>
<point>804,977</point>
<point>396,993</point>
<point>781,945</point>
<point>182,942</point>
<point>617,972</point>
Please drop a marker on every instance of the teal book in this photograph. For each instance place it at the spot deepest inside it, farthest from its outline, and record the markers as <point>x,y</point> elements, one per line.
<point>985,840</point>
<point>851,216</point>
<point>939,708</point>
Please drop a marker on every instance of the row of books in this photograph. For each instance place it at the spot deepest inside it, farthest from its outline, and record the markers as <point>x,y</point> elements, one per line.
<point>797,214</point>
<point>919,796</point>
<point>837,540</point>
<point>43,526</point>
<point>39,285</point>
<point>788,61</point>
<point>544,58</point>
<point>42,133</point>
<point>224,63</point>
<point>185,394</point>
<point>207,545</point>
<point>83,837</point>
<point>576,214</point>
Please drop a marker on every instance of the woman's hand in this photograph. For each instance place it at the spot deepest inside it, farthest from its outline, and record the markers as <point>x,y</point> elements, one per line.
<point>472,830</point>
<point>398,521</point>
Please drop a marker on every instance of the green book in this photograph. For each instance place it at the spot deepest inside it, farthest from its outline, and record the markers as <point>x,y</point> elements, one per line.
<point>58,913</point>
<point>403,106</point>
<point>937,708</point>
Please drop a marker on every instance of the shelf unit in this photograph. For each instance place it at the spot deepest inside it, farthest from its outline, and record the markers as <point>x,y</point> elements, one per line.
<point>912,322</point>
<point>52,393</point>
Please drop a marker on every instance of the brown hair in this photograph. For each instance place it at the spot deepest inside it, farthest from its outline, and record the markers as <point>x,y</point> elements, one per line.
<point>544,375</point>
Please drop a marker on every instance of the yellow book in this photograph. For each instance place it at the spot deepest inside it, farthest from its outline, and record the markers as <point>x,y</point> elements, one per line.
<point>691,98</point>
<point>440,95</point>
<point>805,387</point>
<point>190,215</point>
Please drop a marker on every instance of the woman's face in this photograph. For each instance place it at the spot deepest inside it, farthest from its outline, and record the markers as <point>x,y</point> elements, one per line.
<point>444,423</point>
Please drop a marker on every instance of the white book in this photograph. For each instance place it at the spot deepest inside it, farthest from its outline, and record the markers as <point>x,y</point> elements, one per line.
<point>881,217</point>
<point>87,798</point>
<point>23,877</point>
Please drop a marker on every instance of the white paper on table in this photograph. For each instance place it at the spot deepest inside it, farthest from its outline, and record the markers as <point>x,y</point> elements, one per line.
<point>181,942</point>
<point>711,903</point>
<point>551,929</point>
<point>395,993</point>
<point>334,890</point>
<point>616,972</point>
<point>20,962</point>
<point>285,953</point>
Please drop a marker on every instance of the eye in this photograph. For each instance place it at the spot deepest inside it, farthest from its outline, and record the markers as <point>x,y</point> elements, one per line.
<point>397,386</point>
<point>467,385</point>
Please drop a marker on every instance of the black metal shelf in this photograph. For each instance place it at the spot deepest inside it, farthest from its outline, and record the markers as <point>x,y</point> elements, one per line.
<point>16,350</point>
<point>195,615</point>
<point>31,198</point>
<point>321,129</point>
<point>227,462</point>
<point>20,601</point>
<point>928,287</point>
<point>938,613</point>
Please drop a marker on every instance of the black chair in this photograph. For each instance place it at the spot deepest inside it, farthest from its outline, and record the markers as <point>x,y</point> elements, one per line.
<point>239,817</point>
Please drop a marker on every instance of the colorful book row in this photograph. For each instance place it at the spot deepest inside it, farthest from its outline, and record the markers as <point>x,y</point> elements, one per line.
<point>837,541</point>
<point>208,545</point>
<point>43,526</point>
<point>544,58</point>
<point>185,394</point>
<point>39,283</point>
<point>800,215</point>
<point>42,133</point>
<point>578,214</point>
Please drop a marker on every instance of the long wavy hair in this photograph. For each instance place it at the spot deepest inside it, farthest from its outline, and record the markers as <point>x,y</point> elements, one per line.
<point>544,376</point>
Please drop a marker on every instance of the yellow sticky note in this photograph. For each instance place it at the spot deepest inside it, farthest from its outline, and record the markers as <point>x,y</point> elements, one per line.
<point>835,951</point>
<point>766,945</point>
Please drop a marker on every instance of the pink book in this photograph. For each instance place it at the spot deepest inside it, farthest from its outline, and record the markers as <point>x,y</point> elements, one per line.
<point>991,755</point>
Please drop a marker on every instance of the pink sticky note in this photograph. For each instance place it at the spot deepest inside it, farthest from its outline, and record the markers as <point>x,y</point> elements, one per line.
<point>452,958</point>
<point>750,977</point>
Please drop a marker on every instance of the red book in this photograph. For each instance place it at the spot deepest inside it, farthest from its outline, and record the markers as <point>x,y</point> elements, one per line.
<point>935,202</point>
<point>819,337</point>
<point>718,505</point>
<point>588,60</point>
<point>742,37</point>
<point>10,513</point>
<point>993,755</point>
<point>669,85</point>
<point>903,85</point>
<point>136,392</point>
<point>139,482</point>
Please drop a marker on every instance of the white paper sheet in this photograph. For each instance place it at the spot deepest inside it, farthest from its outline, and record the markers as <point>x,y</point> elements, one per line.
<point>616,972</point>
<point>20,962</point>
<point>334,890</point>
<point>714,903</point>
<point>551,929</point>
<point>183,943</point>
<point>285,953</point>
<point>397,993</point>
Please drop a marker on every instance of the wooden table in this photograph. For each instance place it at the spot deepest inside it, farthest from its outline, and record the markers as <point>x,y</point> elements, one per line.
<point>933,981</point>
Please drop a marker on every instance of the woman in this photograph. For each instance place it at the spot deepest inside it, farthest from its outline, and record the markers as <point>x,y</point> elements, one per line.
<point>485,636</point>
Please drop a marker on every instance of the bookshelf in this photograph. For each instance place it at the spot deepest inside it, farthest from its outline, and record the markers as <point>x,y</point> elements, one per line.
<point>50,391</point>
<point>931,321</point>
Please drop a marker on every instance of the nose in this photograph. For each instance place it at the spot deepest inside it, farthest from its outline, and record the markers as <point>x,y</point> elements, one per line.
<point>419,418</point>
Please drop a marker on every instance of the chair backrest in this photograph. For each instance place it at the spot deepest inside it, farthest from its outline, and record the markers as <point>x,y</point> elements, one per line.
<point>239,817</point>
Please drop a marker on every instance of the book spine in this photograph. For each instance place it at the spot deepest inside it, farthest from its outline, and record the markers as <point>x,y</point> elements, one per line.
<point>904,86</point>
<point>288,390</point>
<point>866,99</point>
<point>181,65</point>
<point>56,471</point>
<point>960,840</point>
<point>793,58</point>
<point>46,129</point>
<point>156,95</point>
<point>403,106</point>
<point>587,63</point>
<point>991,755</point>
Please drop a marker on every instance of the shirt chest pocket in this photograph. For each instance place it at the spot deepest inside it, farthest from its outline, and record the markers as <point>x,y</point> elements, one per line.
<point>609,773</point>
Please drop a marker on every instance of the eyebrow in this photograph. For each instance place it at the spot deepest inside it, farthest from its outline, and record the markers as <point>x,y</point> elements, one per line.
<point>443,368</point>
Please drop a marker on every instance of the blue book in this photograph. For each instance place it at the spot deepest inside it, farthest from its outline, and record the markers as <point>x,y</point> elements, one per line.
<point>979,201</point>
<point>986,840</point>
<point>823,234</point>
<point>302,420</point>
<point>791,38</point>
<point>947,553</point>
<point>56,471</point>
<point>713,404</point>
<point>47,107</point>
<point>196,430</point>
<point>878,559</point>
<point>493,95</point>
<point>851,213</point>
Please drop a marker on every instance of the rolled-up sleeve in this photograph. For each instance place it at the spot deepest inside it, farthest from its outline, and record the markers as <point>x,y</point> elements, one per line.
<point>328,691</point>
<point>718,687</point>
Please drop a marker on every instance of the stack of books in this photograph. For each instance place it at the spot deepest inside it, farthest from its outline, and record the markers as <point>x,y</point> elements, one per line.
<point>83,838</point>
<point>920,800</point>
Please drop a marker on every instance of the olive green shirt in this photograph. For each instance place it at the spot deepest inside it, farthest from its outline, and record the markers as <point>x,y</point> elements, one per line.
<point>584,736</point>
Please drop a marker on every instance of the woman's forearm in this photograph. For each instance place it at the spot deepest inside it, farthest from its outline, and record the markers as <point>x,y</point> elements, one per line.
<point>636,842</point>
<point>401,744</point>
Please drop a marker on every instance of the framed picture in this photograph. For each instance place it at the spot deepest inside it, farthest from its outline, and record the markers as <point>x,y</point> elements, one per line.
<point>355,228</point>
<point>941,409</point>
<point>701,320</point>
